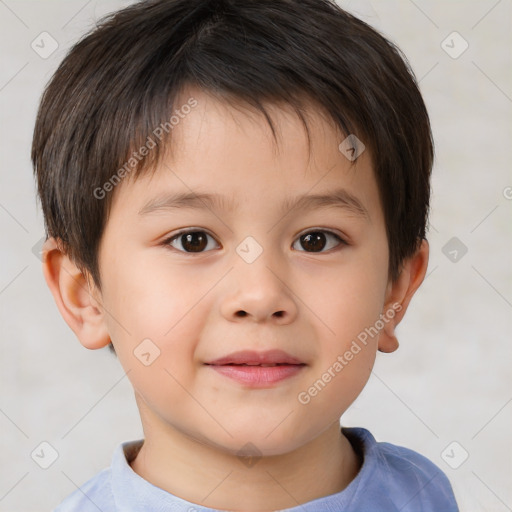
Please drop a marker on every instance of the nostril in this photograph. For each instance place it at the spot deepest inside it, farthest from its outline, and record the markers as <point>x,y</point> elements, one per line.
<point>243,313</point>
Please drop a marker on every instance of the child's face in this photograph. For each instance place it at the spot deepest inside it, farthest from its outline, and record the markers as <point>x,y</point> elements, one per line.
<point>197,307</point>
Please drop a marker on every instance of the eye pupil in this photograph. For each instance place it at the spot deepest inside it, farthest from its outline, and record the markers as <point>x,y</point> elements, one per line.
<point>315,240</point>
<point>194,242</point>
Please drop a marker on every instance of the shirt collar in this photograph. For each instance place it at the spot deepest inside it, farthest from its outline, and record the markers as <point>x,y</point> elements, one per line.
<point>133,494</point>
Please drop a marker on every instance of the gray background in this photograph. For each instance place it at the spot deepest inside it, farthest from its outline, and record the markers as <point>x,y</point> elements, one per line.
<point>450,379</point>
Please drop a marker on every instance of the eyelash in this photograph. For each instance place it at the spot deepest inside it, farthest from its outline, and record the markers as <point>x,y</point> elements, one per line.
<point>168,242</point>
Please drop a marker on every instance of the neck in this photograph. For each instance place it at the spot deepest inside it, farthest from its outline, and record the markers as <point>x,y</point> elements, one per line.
<point>203,474</point>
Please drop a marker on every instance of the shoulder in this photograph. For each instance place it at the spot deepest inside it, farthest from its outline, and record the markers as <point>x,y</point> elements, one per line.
<point>407,479</point>
<point>94,495</point>
<point>103,491</point>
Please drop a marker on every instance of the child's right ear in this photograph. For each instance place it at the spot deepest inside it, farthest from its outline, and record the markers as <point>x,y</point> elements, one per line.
<point>79,305</point>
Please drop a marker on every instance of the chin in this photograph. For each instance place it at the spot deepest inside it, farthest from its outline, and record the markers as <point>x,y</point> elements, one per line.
<point>259,441</point>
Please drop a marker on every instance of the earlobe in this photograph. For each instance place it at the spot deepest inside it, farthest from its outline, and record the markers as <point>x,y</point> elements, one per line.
<point>388,342</point>
<point>79,306</point>
<point>399,295</point>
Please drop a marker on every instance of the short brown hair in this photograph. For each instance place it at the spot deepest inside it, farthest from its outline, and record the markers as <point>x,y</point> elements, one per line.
<point>121,81</point>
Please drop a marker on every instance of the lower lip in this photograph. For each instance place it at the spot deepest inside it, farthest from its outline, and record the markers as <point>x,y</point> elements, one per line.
<point>258,376</point>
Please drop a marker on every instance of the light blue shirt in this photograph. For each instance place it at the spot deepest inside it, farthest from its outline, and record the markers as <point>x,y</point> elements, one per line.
<point>391,479</point>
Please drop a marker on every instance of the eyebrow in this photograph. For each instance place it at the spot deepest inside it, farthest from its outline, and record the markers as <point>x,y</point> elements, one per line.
<point>339,198</point>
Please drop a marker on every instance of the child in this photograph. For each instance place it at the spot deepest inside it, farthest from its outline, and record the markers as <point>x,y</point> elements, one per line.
<point>235,194</point>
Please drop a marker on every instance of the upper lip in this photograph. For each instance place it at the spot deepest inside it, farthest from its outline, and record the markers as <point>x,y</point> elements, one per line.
<point>255,358</point>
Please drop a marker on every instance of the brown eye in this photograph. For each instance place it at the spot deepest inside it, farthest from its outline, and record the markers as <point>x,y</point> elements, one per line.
<point>191,241</point>
<point>316,241</point>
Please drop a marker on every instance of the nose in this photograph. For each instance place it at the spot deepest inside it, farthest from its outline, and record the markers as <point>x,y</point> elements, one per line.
<point>259,292</point>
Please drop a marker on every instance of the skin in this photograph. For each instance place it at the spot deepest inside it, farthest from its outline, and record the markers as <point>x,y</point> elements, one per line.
<point>188,304</point>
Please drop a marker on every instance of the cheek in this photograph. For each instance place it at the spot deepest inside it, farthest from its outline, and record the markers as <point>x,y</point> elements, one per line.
<point>150,296</point>
<point>148,300</point>
<point>348,302</point>
<point>346,299</point>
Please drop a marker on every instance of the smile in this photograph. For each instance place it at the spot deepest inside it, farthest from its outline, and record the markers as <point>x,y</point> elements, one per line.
<point>258,369</point>
<point>258,375</point>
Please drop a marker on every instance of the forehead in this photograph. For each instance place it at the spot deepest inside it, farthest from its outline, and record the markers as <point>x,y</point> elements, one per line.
<point>277,126</point>
<point>228,152</point>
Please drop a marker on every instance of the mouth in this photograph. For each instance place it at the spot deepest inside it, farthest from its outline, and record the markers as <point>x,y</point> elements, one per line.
<point>266,365</point>
<point>254,358</point>
<point>258,369</point>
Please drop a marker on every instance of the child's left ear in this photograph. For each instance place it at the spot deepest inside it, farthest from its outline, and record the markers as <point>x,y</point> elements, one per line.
<point>399,293</point>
